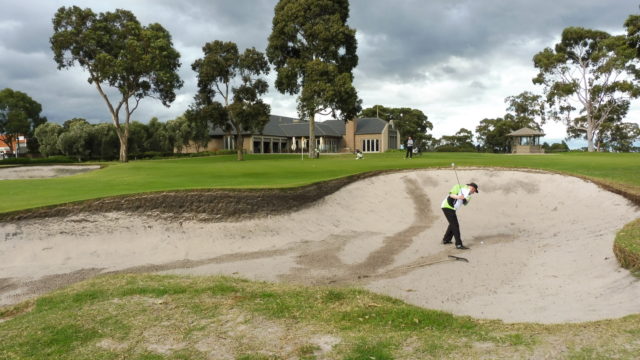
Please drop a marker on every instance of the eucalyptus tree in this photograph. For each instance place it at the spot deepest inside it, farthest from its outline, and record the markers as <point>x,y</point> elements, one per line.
<point>492,134</point>
<point>104,142</point>
<point>47,135</point>
<point>523,110</point>
<point>314,53</point>
<point>610,135</point>
<point>118,52</point>
<point>408,121</point>
<point>527,108</point>
<point>585,72</point>
<point>461,141</point>
<point>75,139</point>
<point>379,111</point>
<point>19,115</point>
<point>236,78</point>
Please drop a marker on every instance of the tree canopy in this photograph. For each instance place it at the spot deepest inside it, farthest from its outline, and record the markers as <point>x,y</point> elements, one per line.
<point>236,79</point>
<point>117,51</point>
<point>314,53</point>
<point>523,110</point>
<point>461,141</point>
<point>586,72</point>
<point>408,121</point>
<point>19,115</point>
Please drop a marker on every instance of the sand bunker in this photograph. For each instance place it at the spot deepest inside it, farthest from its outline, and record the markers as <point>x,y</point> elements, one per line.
<point>541,246</point>
<point>38,172</point>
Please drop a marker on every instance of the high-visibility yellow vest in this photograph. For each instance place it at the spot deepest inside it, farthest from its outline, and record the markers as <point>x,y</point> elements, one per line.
<point>449,203</point>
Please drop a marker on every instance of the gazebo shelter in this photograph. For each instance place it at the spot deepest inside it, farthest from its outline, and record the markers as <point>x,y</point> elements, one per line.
<point>526,141</point>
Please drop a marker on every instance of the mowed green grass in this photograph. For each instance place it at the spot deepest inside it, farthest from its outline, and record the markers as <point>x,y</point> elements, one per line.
<point>269,171</point>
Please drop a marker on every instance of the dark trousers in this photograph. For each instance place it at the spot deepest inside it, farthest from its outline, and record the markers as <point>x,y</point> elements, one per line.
<point>453,231</point>
<point>409,152</point>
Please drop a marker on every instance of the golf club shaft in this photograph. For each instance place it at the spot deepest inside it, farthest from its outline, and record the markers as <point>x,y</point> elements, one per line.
<point>455,172</point>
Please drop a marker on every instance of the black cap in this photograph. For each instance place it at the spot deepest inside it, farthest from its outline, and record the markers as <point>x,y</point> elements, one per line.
<point>474,185</point>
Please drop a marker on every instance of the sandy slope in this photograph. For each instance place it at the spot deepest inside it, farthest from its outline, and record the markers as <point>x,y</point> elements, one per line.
<point>541,246</point>
<point>49,171</point>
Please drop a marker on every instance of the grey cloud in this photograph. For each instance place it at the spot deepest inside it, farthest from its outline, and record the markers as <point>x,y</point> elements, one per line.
<point>408,41</point>
<point>412,36</point>
<point>477,85</point>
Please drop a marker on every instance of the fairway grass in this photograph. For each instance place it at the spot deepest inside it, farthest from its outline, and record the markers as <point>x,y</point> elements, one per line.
<point>283,171</point>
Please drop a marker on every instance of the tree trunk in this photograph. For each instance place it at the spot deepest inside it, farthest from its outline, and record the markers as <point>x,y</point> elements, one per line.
<point>123,136</point>
<point>124,157</point>
<point>239,143</point>
<point>312,137</point>
<point>590,135</point>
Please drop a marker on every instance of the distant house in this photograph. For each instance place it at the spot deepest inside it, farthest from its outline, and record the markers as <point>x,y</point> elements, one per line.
<point>332,136</point>
<point>526,141</point>
<point>18,144</point>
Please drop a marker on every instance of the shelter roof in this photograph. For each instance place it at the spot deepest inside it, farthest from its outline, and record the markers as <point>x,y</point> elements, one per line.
<point>526,132</point>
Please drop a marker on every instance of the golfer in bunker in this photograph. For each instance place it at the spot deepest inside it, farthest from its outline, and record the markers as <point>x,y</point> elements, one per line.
<point>458,195</point>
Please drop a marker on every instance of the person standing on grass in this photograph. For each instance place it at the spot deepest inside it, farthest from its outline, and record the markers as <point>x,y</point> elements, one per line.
<point>409,148</point>
<point>458,196</point>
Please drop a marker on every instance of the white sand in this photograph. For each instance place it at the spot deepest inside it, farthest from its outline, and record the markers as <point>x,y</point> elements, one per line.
<point>541,246</point>
<point>38,172</point>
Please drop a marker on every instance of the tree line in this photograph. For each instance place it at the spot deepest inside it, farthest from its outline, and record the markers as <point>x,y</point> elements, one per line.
<point>79,139</point>
<point>588,81</point>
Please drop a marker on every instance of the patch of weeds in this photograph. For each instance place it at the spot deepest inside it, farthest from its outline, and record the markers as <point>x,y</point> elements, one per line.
<point>634,332</point>
<point>63,301</point>
<point>221,288</point>
<point>203,309</point>
<point>437,348</point>
<point>515,339</point>
<point>291,304</point>
<point>257,357</point>
<point>405,318</point>
<point>368,350</point>
<point>116,326</point>
<point>153,291</point>
<point>9,312</point>
<point>333,296</point>
<point>307,352</point>
<point>585,353</point>
<point>51,342</point>
<point>149,356</point>
<point>182,355</point>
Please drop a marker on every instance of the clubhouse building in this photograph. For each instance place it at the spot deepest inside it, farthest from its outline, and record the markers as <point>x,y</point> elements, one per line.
<point>287,135</point>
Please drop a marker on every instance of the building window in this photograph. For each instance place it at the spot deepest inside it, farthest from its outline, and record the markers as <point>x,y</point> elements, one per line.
<point>229,143</point>
<point>393,139</point>
<point>371,145</point>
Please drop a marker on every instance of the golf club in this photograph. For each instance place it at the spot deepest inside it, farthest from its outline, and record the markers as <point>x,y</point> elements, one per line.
<point>453,165</point>
<point>449,258</point>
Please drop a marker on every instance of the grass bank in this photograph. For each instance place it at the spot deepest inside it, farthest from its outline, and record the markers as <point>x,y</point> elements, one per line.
<point>281,171</point>
<point>627,246</point>
<point>168,317</point>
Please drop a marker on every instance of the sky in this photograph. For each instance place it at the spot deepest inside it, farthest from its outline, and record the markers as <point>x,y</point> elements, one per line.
<point>455,60</point>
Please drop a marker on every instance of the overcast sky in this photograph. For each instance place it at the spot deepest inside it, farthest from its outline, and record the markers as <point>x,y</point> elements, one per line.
<point>456,60</point>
